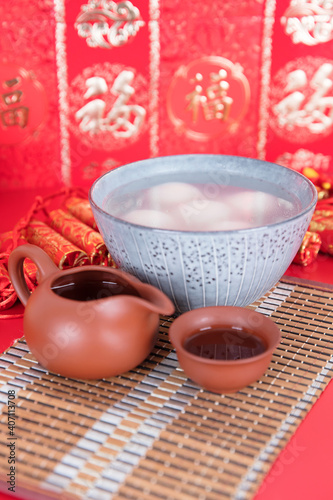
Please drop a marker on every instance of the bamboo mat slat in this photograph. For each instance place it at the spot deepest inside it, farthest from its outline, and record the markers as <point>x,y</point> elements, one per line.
<point>152,433</point>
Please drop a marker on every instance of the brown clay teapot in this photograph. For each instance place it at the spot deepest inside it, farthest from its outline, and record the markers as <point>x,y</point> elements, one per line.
<point>89,322</point>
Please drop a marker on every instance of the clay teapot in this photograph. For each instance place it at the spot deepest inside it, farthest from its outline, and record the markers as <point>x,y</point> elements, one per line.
<point>88,322</point>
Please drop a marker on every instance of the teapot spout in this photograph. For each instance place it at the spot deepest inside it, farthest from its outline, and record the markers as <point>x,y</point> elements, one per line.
<point>154,299</point>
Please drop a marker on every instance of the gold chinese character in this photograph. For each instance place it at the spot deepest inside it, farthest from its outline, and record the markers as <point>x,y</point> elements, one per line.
<point>12,97</point>
<point>16,116</point>
<point>215,103</point>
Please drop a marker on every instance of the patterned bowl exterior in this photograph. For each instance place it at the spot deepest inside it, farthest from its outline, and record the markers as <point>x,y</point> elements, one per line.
<point>198,269</point>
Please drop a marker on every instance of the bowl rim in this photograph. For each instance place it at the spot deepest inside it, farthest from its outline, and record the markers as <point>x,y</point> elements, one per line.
<point>179,347</point>
<point>111,217</point>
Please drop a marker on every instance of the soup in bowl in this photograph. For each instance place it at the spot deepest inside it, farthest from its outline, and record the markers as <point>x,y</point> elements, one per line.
<point>205,229</point>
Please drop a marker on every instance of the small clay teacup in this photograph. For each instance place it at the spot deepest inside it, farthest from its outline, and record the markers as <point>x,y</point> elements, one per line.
<point>224,348</point>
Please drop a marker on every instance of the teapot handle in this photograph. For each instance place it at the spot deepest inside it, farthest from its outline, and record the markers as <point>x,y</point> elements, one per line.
<point>43,262</point>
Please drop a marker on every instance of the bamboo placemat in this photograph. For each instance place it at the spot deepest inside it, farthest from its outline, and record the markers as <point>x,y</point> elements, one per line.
<point>154,434</point>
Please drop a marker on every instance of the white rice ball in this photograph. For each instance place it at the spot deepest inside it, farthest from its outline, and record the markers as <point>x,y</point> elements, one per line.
<point>198,213</point>
<point>167,196</point>
<point>250,206</point>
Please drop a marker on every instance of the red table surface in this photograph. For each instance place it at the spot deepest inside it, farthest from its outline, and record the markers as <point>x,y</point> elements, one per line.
<point>304,469</point>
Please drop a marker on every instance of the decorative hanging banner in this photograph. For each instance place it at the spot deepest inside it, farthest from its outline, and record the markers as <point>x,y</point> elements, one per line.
<point>155,78</point>
<point>209,79</point>
<point>108,87</point>
<point>29,113</point>
<point>300,112</point>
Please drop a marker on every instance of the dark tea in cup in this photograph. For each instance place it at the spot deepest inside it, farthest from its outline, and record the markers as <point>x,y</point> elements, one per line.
<point>224,343</point>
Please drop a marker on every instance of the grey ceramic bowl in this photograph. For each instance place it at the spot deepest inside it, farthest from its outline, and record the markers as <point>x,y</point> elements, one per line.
<point>198,269</point>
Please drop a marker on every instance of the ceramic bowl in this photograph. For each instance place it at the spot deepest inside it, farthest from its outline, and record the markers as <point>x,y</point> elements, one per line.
<point>219,375</point>
<point>205,268</point>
